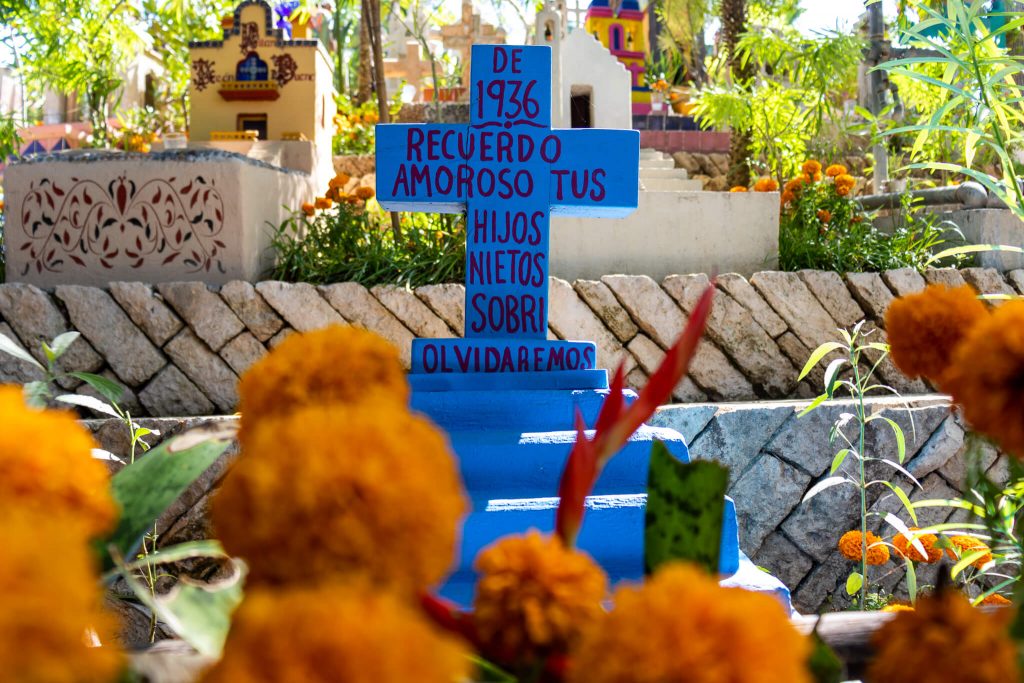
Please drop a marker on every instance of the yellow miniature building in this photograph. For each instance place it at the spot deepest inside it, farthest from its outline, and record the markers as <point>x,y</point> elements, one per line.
<point>622,29</point>
<point>256,79</point>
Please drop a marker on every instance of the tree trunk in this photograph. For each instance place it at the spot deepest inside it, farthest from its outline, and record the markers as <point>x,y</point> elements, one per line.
<point>371,16</point>
<point>734,24</point>
<point>364,77</point>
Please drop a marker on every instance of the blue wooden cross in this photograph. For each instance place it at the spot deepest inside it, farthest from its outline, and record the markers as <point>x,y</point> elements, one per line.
<point>509,171</point>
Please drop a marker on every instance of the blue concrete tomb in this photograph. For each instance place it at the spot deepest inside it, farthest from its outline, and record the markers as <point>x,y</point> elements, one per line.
<point>505,394</point>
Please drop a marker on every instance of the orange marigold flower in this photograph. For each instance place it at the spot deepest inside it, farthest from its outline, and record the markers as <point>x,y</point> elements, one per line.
<point>926,327</point>
<point>680,625</point>
<point>766,185</point>
<point>796,184</point>
<point>46,466</point>
<point>50,603</point>
<point>824,215</point>
<point>323,203</point>
<point>336,633</point>
<point>364,192</point>
<point>333,194</point>
<point>844,184</point>
<point>333,491</point>
<point>738,188</point>
<point>968,545</point>
<point>534,598</point>
<point>985,376</point>
<point>945,634</point>
<point>905,547</point>
<point>851,547</point>
<point>811,167</point>
<point>843,190</point>
<point>996,599</point>
<point>898,607</point>
<point>308,209</point>
<point>835,170</point>
<point>340,180</point>
<point>787,197</point>
<point>337,364</point>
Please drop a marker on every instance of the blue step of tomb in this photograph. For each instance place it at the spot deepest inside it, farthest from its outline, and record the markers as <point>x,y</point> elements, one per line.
<point>512,446</point>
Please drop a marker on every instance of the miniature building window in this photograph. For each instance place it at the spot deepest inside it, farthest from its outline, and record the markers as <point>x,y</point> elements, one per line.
<point>615,36</point>
<point>581,107</point>
<point>252,68</point>
<point>254,122</point>
<point>149,98</point>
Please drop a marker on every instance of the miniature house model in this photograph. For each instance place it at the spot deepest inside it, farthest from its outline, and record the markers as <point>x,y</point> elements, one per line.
<point>621,26</point>
<point>258,84</point>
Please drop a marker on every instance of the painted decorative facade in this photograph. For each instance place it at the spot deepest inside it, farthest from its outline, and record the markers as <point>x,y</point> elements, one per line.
<point>622,28</point>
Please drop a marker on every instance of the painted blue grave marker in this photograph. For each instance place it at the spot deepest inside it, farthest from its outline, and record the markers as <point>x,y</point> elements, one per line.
<point>509,171</point>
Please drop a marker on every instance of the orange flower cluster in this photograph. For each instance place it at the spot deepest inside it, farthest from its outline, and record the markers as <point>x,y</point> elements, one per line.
<point>680,625</point>
<point>905,547</point>
<point>835,170</point>
<point>968,545</point>
<point>975,355</point>
<point>851,546</point>
<point>336,195</point>
<point>534,598</point>
<point>944,638</point>
<point>766,184</point>
<point>824,215</point>
<point>738,188</point>
<point>844,183</point>
<point>996,599</point>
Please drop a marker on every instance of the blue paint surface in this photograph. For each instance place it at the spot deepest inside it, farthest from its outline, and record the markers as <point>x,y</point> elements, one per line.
<point>508,170</point>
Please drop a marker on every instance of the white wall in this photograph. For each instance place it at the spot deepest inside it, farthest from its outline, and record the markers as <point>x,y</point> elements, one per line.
<point>587,63</point>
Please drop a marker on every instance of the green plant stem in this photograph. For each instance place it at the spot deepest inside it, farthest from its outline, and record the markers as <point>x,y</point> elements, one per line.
<point>863,480</point>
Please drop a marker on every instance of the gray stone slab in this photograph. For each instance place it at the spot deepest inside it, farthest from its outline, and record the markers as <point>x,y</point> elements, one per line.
<point>945,443</point>
<point>950,277</point>
<point>35,319</point>
<point>1016,278</point>
<point>904,281</point>
<point>830,290</point>
<point>572,319</point>
<point>126,349</point>
<point>251,309</point>
<point>687,420</point>
<point>171,393</point>
<point>987,281</point>
<point>14,370</point>
<point>824,588</point>
<point>636,379</point>
<point>299,304</point>
<point>738,335</point>
<point>738,434</point>
<point>242,351</point>
<point>448,301</point>
<point>790,298</point>
<point>146,310</point>
<point>764,495</point>
<point>649,356</point>
<point>975,454</point>
<point>871,293</point>
<point>816,525</point>
<point>356,304</point>
<point>803,441</point>
<point>918,425</point>
<point>739,289</point>
<point>783,559</point>
<point>280,337</point>
<point>650,307</point>
<point>205,312</point>
<point>205,368</point>
<point>411,310</point>
<point>604,304</point>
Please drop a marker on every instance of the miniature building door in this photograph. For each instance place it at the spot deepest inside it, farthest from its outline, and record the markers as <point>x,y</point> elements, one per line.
<point>581,107</point>
<point>255,122</point>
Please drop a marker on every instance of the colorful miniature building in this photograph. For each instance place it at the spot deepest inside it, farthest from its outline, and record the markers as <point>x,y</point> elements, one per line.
<point>256,79</point>
<point>622,28</point>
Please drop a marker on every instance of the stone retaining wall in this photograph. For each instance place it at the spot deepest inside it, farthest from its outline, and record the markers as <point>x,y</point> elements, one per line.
<point>179,347</point>
<point>774,457</point>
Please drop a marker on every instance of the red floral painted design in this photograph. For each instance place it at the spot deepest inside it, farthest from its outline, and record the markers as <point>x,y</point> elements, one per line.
<point>285,68</point>
<point>203,73</point>
<point>89,225</point>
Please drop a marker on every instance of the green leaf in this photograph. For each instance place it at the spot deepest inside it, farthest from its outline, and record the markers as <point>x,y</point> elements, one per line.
<point>685,510</point>
<point>88,402</point>
<point>107,388</point>
<point>61,343</point>
<point>901,442</point>
<point>824,484</point>
<point>854,582</point>
<point>903,499</point>
<point>966,561</point>
<point>813,404</point>
<point>831,372</point>
<point>199,613</point>
<point>36,394</point>
<point>489,672</point>
<point>168,555</point>
<point>837,461</point>
<point>824,665</point>
<point>8,346</point>
<point>147,487</point>
<point>911,580</point>
<point>817,355</point>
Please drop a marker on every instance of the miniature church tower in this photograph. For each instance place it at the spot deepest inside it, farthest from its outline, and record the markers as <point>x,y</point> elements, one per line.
<point>622,28</point>
<point>258,87</point>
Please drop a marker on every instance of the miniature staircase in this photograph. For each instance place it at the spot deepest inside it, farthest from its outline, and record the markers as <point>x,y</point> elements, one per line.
<point>659,174</point>
<point>512,446</point>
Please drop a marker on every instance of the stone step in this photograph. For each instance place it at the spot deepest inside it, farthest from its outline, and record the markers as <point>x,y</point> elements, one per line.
<point>671,185</point>
<point>652,154</point>
<point>656,163</point>
<point>668,172</point>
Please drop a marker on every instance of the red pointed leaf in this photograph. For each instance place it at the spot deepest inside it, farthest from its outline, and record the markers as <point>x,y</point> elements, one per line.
<point>614,404</point>
<point>578,479</point>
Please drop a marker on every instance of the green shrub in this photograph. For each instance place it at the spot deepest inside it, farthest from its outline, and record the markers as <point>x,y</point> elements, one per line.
<point>353,244</point>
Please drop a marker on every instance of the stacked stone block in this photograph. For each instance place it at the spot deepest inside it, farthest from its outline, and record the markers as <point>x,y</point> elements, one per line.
<point>180,347</point>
